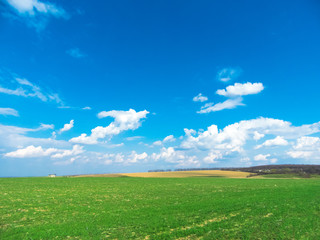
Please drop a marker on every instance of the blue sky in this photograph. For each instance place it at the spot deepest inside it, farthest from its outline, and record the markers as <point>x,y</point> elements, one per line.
<point>125,86</point>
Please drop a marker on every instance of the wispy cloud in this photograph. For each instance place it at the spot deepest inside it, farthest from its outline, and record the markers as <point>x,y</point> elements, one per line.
<point>228,104</point>
<point>200,98</point>
<point>34,13</point>
<point>167,139</point>
<point>134,138</point>
<point>9,111</point>
<point>228,74</point>
<point>24,88</point>
<point>76,53</point>
<point>13,136</point>
<point>234,94</point>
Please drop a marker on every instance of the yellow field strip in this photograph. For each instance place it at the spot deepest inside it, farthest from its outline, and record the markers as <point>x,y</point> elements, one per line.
<point>178,174</point>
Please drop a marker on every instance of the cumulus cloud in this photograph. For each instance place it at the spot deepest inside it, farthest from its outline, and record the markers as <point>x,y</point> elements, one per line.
<point>9,112</point>
<point>234,137</point>
<point>120,158</point>
<point>31,152</point>
<point>67,127</point>
<point>257,135</point>
<point>306,148</point>
<point>228,74</point>
<point>179,158</point>
<point>35,13</point>
<point>212,157</point>
<point>228,104</point>
<point>135,157</point>
<point>123,121</point>
<point>35,152</point>
<point>76,149</point>
<point>261,157</point>
<point>278,141</point>
<point>76,53</point>
<point>239,89</point>
<point>200,98</point>
<point>110,158</point>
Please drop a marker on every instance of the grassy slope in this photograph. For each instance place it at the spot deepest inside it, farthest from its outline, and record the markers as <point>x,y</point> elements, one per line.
<point>288,175</point>
<point>177,174</point>
<point>153,208</point>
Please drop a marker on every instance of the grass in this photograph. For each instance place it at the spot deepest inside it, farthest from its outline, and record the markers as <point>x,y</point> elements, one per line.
<point>289,175</point>
<point>159,208</point>
<point>178,174</point>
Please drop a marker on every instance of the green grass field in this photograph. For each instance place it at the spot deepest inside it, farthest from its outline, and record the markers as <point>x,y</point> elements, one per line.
<point>159,208</point>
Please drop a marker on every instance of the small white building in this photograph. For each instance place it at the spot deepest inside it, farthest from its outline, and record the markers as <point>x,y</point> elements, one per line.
<point>52,175</point>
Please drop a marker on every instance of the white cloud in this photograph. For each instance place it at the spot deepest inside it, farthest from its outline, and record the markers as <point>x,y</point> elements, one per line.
<point>278,141</point>
<point>233,137</point>
<point>120,158</point>
<point>261,157</point>
<point>86,108</point>
<point>227,74</point>
<point>212,157</point>
<point>257,135</point>
<point>228,104</point>
<point>17,92</point>
<point>25,88</point>
<point>200,98</point>
<point>245,160</point>
<point>179,158</point>
<point>33,7</point>
<point>169,138</point>
<point>135,157</point>
<point>239,89</point>
<point>76,149</point>
<point>76,53</point>
<point>9,112</point>
<point>31,152</point>
<point>273,160</point>
<point>36,13</point>
<point>306,148</point>
<point>34,152</point>
<point>157,143</point>
<point>67,162</point>
<point>67,127</point>
<point>123,121</point>
<point>12,136</point>
<point>134,138</point>
<point>44,127</point>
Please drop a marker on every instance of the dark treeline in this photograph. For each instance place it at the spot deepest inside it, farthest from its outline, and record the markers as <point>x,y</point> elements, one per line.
<point>300,169</point>
<point>283,168</point>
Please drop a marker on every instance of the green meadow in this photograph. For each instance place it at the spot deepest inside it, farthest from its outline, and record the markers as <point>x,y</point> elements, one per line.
<point>159,208</point>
